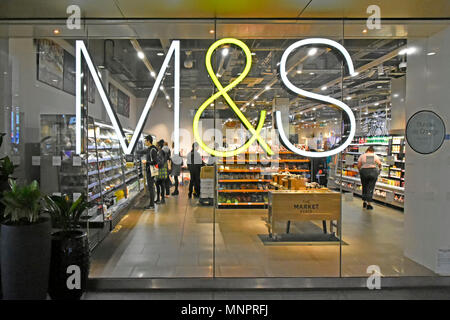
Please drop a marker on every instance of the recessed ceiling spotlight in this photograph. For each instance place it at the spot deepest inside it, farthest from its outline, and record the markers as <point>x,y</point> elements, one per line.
<point>407,51</point>
<point>379,87</point>
<point>167,97</point>
<point>312,51</point>
<point>348,98</point>
<point>253,104</point>
<point>56,31</point>
<point>314,109</point>
<point>431,53</point>
<point>256,97</point>
<point>161,88</point>
<point>324,88</point>
<point>311,73</point>
<point>376,103</point>
<point>267,87</point>
<point>160,54</point>
<point>225,52</point>
<point>140,55</point>
<point>211,31</point>
<point>253,54</point>
<point>364,31</point>
<point>395,95</point>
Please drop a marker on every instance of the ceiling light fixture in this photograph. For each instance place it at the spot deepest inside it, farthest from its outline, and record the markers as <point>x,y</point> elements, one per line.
<point>140,55</point>
<point>225,52</point>
<point>267,87</point>
<point>160,54</point>
<point>211,31</point>
<point>312,51</point>
<point>364,31</point>
<point>56,31</point>
<point>431,53</point>
<point>324,88</point>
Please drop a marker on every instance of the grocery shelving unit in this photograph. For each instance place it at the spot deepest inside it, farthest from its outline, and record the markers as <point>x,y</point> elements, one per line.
<point>243,181</point>
<point>390,187</point>
<point>110,180</point>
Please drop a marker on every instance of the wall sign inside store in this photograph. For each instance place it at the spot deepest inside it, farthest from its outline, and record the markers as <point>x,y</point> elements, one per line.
<point>425,132</point>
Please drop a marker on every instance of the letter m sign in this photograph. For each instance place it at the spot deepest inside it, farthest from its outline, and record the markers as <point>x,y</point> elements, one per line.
<point>128,148</point>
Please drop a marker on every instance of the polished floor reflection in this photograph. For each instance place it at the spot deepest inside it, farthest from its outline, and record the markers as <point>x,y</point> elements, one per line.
<point>177,240</point>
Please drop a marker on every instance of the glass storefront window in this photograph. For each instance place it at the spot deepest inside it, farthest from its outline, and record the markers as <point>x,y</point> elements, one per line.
<point>259,211</point>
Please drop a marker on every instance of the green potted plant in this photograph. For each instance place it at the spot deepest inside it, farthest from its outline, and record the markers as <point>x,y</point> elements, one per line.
<point>69,263</point>
<point>25,244</point>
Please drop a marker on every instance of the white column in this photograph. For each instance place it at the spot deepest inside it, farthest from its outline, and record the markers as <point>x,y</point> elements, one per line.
<point>427,198</point>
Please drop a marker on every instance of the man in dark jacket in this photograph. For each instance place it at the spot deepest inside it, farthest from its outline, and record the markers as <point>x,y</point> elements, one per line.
<point>150,153</point>
<point>194,162</point>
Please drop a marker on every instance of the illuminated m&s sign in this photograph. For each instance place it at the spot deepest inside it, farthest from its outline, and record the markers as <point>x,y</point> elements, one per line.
<point>174,50</point>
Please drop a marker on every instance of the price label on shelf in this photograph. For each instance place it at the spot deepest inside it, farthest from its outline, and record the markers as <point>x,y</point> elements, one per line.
<point>76,161</point>
<point>390,160</point>
<point>349,159</point>
<point>389,196</point>
<point>36,160</point>
<point>56,161</point>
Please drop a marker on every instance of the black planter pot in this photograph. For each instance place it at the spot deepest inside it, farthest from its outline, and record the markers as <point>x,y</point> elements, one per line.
<point>25,252</point>
<point>69,248</point>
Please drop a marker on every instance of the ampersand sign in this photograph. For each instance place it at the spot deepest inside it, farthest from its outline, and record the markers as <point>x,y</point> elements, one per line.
<point>224,92</point>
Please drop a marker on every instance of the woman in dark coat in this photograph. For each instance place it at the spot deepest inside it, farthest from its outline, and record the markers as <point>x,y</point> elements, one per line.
<point>177,162</point>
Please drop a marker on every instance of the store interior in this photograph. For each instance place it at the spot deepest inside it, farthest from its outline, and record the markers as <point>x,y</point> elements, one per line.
<point>229,232</point>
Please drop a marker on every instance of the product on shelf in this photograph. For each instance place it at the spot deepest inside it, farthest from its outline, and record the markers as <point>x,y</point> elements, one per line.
<point>244,180</point>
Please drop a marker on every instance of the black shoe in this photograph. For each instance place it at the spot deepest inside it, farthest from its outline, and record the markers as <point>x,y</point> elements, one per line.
<point>190,195</point>
<point>369,207</point>
<point>175,193</point>
<point>365,204</point>
<point>149,207</point>
<point>163,202</point>
<point>157,201</point>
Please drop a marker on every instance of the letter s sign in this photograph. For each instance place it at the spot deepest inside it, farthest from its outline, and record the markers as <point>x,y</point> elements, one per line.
<point>315,96</point>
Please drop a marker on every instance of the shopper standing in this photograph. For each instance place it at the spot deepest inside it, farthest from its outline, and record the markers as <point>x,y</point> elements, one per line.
<point>369,166</point>
<point>177,162</point>
<point>194,162</point>
<point>150,153</point>
<point>169,167</point>
<point>162,173</point>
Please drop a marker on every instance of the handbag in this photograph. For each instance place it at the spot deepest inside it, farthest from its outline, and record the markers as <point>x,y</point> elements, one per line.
<point>154,171</point>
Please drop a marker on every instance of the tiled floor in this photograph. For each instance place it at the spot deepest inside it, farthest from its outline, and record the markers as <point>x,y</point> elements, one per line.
<point>177,240</point>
